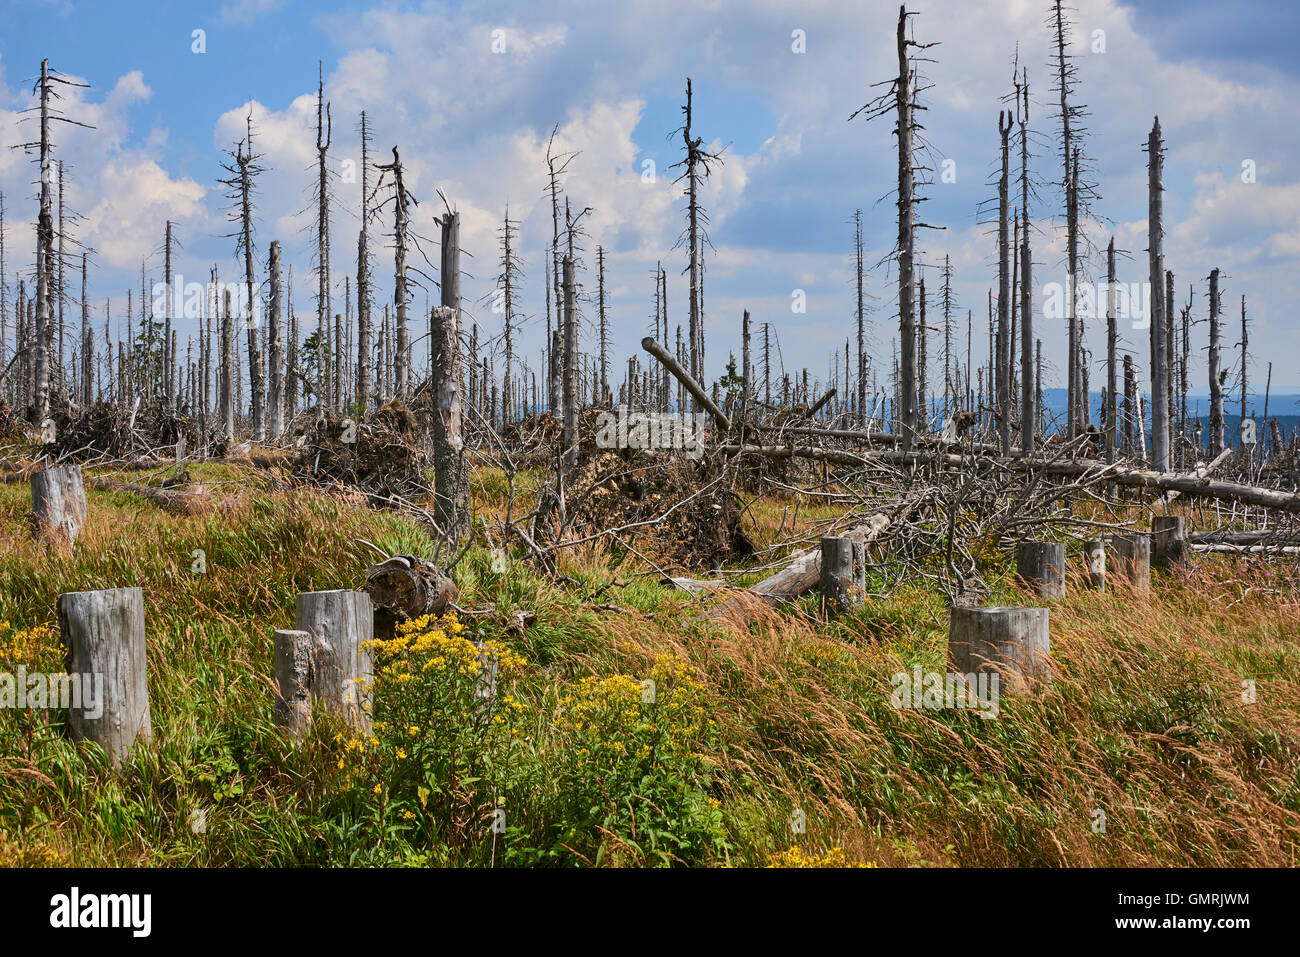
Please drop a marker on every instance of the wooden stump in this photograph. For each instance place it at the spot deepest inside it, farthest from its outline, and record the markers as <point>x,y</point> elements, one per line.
<point>1168,539</point>
<point>103,634</point>
<point>1013,642</point>
<point>1040,567</point>
<point>843,574</point>
<point>340,623</point>
<point>59,502</point>
<point>1133,559</point>
<point>293,678</point>
<point>1094,563</point>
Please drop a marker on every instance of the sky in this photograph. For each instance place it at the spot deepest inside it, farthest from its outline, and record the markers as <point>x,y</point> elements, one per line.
<point>470,91</point>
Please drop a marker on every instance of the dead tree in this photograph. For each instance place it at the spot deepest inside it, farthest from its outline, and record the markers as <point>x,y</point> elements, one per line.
<point>603,390</point>
<point>1111,332</point>
<point>697,166</point>
<point>1155,250</point>
<point>41,332</point>
<point>325,348</point>
<point>276,400</point>
<point>227,372</point>
<point>571,398</point>
<point>510,271</point>
<point>363,277</point>
<point>1218,438</point>
<point>1028,408</point>
<point>402,201</point>
<point>901,99</point>
<point>859,276</point>
<point>1004,287</point>
<point>1245,358</point>
<point>242,169</point>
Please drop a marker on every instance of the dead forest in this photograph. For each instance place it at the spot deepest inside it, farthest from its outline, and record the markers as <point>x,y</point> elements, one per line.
<point>930,452</point>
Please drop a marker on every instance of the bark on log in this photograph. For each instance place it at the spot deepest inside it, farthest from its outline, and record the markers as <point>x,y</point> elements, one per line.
<point>293,679</point>
<point>340,623</point>
<point>1133,559</point>
<point>1040,566</point>
<point>1013,642</point>
<point>104,642</point>
<point>796,578</point>
<point>59,502</point>
<point>408,586</point>
<point>843,574</point>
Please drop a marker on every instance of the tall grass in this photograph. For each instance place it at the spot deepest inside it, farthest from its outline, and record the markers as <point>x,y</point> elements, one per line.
<point>1145,719</point>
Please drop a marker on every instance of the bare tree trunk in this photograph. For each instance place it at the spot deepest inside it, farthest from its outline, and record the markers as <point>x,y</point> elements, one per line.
<point>1004,287</point>
<point>1159,359</point>
<point>227,372</point>
<point>87,343</point>
<point>277,349</point>
<point>324,347</point>
<point>363,277</point>
<point>570,320</point>
<point>451,483</point>
<point>1218,438</point>
<point>1111,384</point>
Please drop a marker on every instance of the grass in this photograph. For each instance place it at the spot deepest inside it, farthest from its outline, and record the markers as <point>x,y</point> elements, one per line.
<point>741,734</point>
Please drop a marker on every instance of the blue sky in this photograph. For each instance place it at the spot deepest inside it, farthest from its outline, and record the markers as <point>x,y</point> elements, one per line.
<point>474,124</point>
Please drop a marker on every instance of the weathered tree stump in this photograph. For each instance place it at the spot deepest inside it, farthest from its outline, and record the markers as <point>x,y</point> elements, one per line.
<point>59,502</point>
<point>1040,566</point>
<point>1094,563</point>
<point>408,586</point>
<point>293,678</point>
<point>843,574</point>
<point>1133,559</point>
<point>340,623</point>
<point>103,638</point>
<point>1168,538</point>
<point>1013,642</point>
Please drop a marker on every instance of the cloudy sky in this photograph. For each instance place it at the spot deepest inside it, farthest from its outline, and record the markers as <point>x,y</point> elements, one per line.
<point>470,91</point>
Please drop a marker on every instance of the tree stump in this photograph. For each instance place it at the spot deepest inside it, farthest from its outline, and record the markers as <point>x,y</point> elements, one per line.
<point>1040,566</point>
<point>340,623</point>
<point>59,502</point>
<point>293,678</point>
<point>1133,559</point>
<point>1094,563</point>
<point>843,574</point>
<point>1013,642</point>
<point>408,586</point>
<point>1168,540</point>
<point>103,638</point>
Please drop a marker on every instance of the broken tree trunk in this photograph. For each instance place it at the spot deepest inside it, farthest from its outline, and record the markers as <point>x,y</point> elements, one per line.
<point>796,578</point>
<point>103,638</point>
<point>59,502</point>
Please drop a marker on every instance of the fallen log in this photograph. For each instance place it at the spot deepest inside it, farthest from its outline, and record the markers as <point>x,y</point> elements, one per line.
<point>408,587</point>
<point>175,500</point>
<point>1085,469</point>
<point>652,346</point>
<point>797,578</point>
